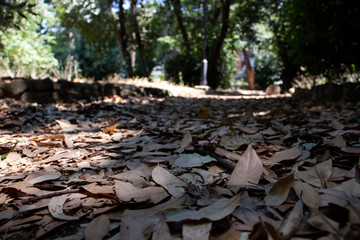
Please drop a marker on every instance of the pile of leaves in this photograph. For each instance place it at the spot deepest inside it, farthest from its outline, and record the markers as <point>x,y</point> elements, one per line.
<point>178,168</point>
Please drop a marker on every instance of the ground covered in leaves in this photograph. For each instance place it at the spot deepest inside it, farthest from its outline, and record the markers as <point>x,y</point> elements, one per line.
<point>179,168</point>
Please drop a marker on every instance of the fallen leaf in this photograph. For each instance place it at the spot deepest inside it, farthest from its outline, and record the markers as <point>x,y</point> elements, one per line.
<point>139,227</point>
<point>97,228</point>
<point>231,141</point>
<point>66,125</point>
<point>192,160</point>
<point>280,191</point>
<point>288,154</point>
<point>231,234</point>
<point>95,188</point>
<point>138,176</point>
<point>198,231</point>
<point>350,187</point>
<point>204,112</point>
<point>185,142</point>
<point>317,175</point>
<point>161,231</point>
<point>56,208</point>
<point>320,221</point>
<point>17,222</point>
<point>291,222</point>
<point>338,141</point>
<point>42,177</point>
<point>216,211</point>
<point>126,192</point>
<point>264,230</point>
<point>172,184</point>
<point>308,194</point>
<point>248,170</point>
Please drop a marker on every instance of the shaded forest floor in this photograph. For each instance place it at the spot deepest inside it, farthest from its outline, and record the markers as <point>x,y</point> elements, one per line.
<point>211,167</point>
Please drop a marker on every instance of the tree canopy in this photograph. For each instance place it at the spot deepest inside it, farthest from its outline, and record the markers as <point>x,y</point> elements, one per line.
<point>98,38</point>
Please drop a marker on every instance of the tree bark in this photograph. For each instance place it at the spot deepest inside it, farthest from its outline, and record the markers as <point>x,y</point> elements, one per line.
<point>178,15</point>
<point>213,74</point>
<point>122,38</point>
<point>249,70</point>
<point>139,42</point>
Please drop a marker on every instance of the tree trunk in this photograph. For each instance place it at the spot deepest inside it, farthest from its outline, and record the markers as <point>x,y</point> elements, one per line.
<point>178,15</point>
<point>249,70</point>
<point>139,42</point>
<point>121,36</point>
<point>213,74</point>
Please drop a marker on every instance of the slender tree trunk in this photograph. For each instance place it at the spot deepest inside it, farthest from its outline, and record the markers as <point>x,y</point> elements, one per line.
<point>178,15</point>
<point>121,36</point>
<point>213,74</point>
<point>249,70</point>
<point>139,42</point>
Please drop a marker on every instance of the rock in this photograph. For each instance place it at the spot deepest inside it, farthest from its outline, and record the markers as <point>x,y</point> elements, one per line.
<point>38,97</point>
<point>43,85</point>
<point>17,87</point>
<point>327,92</point>
<point>109,89</point>
<point>302,93</point>
<point>273,90</point>
<point>2,94</point>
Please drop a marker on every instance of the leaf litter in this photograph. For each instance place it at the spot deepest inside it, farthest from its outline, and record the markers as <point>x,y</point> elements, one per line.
<point>179,168</point>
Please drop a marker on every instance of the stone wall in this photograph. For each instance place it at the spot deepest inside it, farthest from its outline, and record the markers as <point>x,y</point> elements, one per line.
<point>330,92</point>
<point>48,91</point>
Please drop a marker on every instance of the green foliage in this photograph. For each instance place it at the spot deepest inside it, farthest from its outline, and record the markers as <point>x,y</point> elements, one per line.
<point>11,13</point>
<point>317,38</point>
<point>267,63</point>
<point>27,52</point>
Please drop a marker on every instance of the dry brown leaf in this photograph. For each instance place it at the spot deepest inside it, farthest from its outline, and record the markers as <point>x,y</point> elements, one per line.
<point>320,221</point>
<point>172,184</point>
<point>185,142</point>
<point>97,228</point>
<point>338,141</point>
<point>138,176</point>
<point>280,191</point>
<point>8,214</point>
<point>308,194</point>
<point>264,230</point>
<point>317,175</point>
<point>56,208</point>
<point>204,112</point>
<point>161,231</point>
<point>288,154</point>
<point>248,170</point>
<point>68,142</point>
<point>216,211</point>
<point>192,160</point>
<point>66,125</point>
<point>231,234</point>
<point>65,155</point>
<point>126,192</point>
<point>139,227</point>
<point>94,188</point>
<point>42,177</point>
<point>196,231</point>
<point>354,211</point>
<point>351,188</point>
<point>12,158</point>
<point>291,222</point>
<point>353,150</point>
<point>231,141</point>
<point>14,223</point>
<point>174,203</point>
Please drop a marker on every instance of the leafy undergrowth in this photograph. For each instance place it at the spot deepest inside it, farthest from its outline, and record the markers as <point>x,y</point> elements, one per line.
<point>177,168</point>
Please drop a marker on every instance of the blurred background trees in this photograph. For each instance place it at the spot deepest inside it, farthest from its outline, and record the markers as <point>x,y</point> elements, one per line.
<point>288,41</point>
